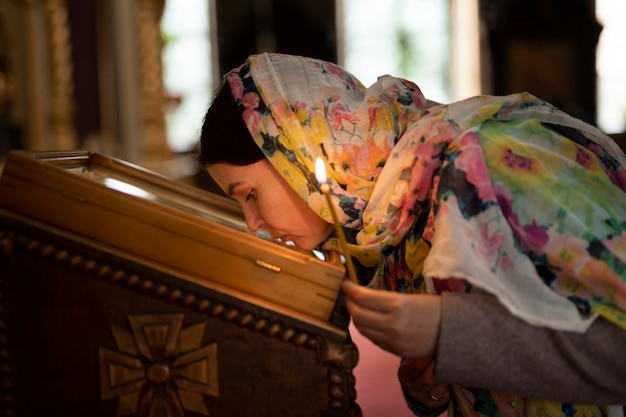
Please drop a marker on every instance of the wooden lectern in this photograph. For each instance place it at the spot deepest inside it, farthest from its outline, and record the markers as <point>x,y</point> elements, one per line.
<point>127,294</point>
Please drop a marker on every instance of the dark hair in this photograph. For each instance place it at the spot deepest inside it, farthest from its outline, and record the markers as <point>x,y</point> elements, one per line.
<point>224,137</point>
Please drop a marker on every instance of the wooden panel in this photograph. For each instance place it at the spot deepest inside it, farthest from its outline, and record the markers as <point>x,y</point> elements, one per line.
<point>88,330</point>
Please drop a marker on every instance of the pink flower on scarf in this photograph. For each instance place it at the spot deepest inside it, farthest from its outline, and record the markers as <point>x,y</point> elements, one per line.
<point>338,114</point>
<point>487,235</point>
<point>373,115</point>
<point>250,101</point>
<point>334,69</point>
<point>363,160</point>
<point>236,86</point>
<point>470,160</point>
<point>251,117</point>
<point>582,157</point>
<point>491,241</point>
<point>530,236</point>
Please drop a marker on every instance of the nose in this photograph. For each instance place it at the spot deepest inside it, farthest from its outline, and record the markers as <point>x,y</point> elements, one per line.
<point>253,220</point>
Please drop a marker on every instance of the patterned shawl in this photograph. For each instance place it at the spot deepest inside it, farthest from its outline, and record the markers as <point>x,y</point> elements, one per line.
<point>506,195</point>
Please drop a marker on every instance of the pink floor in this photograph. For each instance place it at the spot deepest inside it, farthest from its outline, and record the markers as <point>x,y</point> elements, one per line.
<point>378,389</point>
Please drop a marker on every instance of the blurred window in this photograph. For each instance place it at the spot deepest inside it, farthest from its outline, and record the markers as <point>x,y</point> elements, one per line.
<point>186,70</point>
<point>404,38</point>
<point>611,66</point>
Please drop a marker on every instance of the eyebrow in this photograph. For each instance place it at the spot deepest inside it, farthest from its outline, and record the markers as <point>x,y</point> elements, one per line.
<point>231,188</point>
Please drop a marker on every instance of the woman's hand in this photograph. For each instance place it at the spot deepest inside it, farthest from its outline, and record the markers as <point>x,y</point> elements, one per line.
<point>406,325</point>
<point>417,378</point>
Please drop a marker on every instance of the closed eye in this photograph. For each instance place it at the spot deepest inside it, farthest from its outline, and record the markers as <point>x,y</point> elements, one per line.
<point>251,194</point>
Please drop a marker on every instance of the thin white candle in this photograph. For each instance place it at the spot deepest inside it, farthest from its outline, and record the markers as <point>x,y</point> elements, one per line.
<point>322,179</point>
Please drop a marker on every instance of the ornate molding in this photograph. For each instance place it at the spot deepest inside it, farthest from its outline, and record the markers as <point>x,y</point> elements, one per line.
<point>61,72</point>
<point>172,294</point>
<point>151,86</point>
<point>42,69</point>
<point>340,358</point>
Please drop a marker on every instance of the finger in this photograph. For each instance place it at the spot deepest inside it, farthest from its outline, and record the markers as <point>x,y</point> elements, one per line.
<point>364,314</point>
<point>380,337</point>
<point>367,320</point>
<point>377,334</point>
<point>367,297</point>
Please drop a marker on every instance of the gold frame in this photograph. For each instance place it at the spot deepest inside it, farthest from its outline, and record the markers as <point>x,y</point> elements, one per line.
<point>129,63</point>
<point>41,70</point>
<point>129,48</point>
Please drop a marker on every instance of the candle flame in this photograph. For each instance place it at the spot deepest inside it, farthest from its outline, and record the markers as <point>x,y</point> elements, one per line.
<point>320,174</point>
<point>320,171</point>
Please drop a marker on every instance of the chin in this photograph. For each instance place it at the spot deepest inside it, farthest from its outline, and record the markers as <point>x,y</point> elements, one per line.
<point>304,245</point>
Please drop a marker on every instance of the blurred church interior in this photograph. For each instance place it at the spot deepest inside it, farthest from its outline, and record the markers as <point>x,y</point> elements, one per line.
<point>132,78</point>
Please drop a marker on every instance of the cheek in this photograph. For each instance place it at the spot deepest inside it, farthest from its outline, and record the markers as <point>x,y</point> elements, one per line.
<point>278,202</point>
<point>322,227</point>
<point>311,221</point>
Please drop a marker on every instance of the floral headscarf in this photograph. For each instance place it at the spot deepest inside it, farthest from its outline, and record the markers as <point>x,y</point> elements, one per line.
<point>506,195</point>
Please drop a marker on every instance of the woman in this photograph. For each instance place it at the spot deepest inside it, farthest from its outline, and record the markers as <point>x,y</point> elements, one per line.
<point>491,198</point>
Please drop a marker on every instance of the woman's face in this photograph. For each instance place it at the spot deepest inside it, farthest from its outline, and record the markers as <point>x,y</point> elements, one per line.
<point>270,204</point>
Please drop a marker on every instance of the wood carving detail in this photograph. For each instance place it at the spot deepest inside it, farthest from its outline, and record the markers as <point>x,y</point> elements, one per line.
<point>340,360</point>
<point>159,368</point>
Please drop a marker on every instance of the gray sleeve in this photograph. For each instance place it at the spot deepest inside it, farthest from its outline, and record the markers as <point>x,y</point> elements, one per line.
<point>481,345</point>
